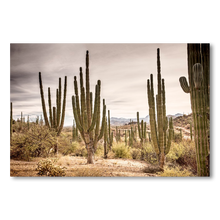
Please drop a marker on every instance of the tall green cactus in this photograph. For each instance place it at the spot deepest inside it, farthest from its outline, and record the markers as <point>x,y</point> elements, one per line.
<point>126,138</point>
<point>56,119</point>
<point>141,129</point>
<point>198,86</point>
<point>88,118</point>
<point>161,141</point>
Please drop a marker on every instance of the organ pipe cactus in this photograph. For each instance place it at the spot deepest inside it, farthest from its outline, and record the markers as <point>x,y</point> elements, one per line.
<point>74,132</point>
<point>56,119</point>
<point>88,118</point>
<point>125,138</point>
<point>198,86</point>
<point>159,128</point>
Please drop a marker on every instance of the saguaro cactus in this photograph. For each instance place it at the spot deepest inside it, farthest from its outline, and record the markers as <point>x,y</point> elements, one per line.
<point>198,86</point>
<point>56,119</point>
<point>88,118</point>
<point>161,141</point>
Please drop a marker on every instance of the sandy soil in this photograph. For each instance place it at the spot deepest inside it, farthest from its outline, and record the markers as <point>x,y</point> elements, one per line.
<point>76,166</point>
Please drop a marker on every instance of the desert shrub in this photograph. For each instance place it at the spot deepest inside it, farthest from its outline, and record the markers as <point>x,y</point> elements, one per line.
<point>70,149</point>
<point>184,154</point>
<point>135,153</point>
<point>148,153</point>
<point>99,151</point>
<point>177,137</point>
<point>46,167</point>
<point>176,150</point>
<point>175,172</point>
<point>81,151</point>
<point>121,151</point>
<point>36,142</point>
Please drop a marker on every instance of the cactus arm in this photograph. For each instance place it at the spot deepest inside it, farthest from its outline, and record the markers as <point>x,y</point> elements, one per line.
<point>152,114</point>
<point>138,122</point>
<point>168,145</point>
<point>89,112</point>
<point>59,104</point>
<point>54,118</point>
<point>64,107</point>
<point>103,121</point>
<point>50,109</point>
<point>95,109</point>
<point>197,75</point>
<point>77,100</point>
<point>43,101</point>
<point>76,116</point>
<point>159,105</point>
<point>184,84</point>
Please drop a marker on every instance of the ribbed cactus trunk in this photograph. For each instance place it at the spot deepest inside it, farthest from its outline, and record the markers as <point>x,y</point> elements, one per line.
<point>126,138</point>
<point>88,118</point>
<point>159,127</point>
<point>199,87</point>
<point>191,131</point>
<point>105,139</point>
<point>56,118</point>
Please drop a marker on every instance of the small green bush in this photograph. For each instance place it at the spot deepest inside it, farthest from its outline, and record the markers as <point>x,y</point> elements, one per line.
<point>121,151</point>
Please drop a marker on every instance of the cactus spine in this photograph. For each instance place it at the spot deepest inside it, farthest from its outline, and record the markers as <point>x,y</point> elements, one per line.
<point>88,118</point>
<point>159,127</point>
<point>56,119</point>
<point>198,86</point>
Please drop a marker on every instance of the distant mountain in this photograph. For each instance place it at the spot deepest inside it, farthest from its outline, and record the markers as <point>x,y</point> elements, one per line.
<point>122,121</point>
<point>175,116</point>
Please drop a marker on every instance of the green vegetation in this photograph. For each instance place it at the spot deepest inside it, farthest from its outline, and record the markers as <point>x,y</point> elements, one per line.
<point>161,141</point>
<point>56,119</point>
<point>198,86</point>
<point>88,118</point>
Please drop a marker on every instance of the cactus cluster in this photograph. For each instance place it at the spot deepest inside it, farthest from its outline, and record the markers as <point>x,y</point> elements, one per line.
<point>56,118</point>
<point>159,123</point>
<point>198,86</point>
<point>88,118</point>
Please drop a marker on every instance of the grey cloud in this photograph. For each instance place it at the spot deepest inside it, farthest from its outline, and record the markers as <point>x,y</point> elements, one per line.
<point>122,68</point>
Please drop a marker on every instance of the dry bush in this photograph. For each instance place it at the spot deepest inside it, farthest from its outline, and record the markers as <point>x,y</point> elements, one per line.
<point>175,172</point>
<point>36,142</point>
<point>46,167</point>
<point>184,154</point>
<point>64,161</point>
<point>121,151</point>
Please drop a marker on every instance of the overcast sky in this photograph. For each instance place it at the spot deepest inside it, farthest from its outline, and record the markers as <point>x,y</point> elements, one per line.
<point>122,68</point>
